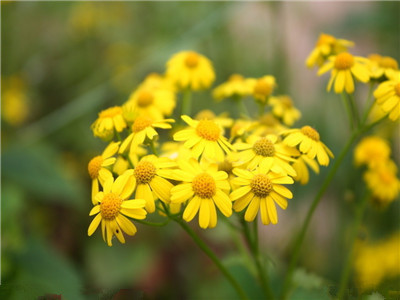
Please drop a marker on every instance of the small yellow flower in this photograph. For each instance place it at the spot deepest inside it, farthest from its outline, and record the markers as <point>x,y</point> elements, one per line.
<point>204,187</point>
<point>97,167</point>
<point>222,119</point>
<point>109,120</point>
<point>388,96</point>
<point>204,138</point>
<point>155,81</point>
<point>268,124</point>
<point>309,143</point>
<point>112,208</point>
<point>300,166</point>
<point>283,108</point>
<point>344,66</point>
<point>15,105</point>
<point>190,70</point>
<point>259,191</point>
<point>241,128</point>
<point>372,151</point>
<point>263,88</point>
<point>382,66</point>
<point>236,87</point>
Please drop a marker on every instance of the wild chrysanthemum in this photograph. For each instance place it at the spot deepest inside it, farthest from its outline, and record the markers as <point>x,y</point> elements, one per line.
<point>268,149</point>
<point>283,108</point>
<point>155,81</point>
<point>109,120</point>
<point>241,128</point>
<point>309,143</point>
<point>382,66</point>
<point>142,128</point>
<point>326,46</point>
<point>259,191</point>
<point>372,151</point>
<point>112,208</point>
<point>204,187</point>
<point>388,96</point>
<point>204,138</point>
<point>190,70</point>
<point>97,167</point>
<point>263,88</point>
<point>268,124</point>
<point>300,166</point>
<point>236,87</point>
<point>344,66</point>
<point>222,119</point>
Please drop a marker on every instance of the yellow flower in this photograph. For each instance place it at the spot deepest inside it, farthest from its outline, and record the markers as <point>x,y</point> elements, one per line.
<point>15,106</point>
<point>241,128</point>
<point>267,150</point>
<point>382,66</point>
<point>175,151</point>
<point>283,108</point>
<point>326,46</point>
<point>109,120</point>
<point>344,66</point>
<point>259,190</point>
<point>309,143</point>
<point>300,166</point>
<point>97,167</point>
<point>388,96</point>
<point>148,179</point>
<point>372,151</point>
<point>112,209</point>
<point>268,124</point>
<point>204,187</point>
<point>204,138</point>
<point>156,81</point>
<point>236,87</point>
<point>142,128</point>
<point>222,119</point>
<point>190,70</point>
<point>383,182</point>
<point>263,87</point>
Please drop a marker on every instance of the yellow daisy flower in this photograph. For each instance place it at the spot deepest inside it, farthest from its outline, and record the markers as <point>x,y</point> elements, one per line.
<point>204,187</point>
<point>190,70</point>
<point>326,46</point>
<point>97,167</point>
<point>236,87</point>
<point>268,124</point>
<point>155,81</point>
<point>222,119</point>
<point>142,128</point>
<point>309,143</point>
<point>259,191</point>
<point>112,209</point>
<point>372,151</point>
<point>283,108</point>
<point>204,138</point>
<point>15,105</point>
<point>263,88</point>
<point>300,166</point>
<point>241,128</point>
<point>382,66</point>
<point>388,96</point>
<point>344,66</point>
<point>109,120</point>
<point>268,149</point>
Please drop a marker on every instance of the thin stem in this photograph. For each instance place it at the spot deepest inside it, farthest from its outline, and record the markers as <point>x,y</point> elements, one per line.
<point>261,109</point>
<point>186,102</point>
<point>152,223</point>
<point>348,109</point>
<point>118,135</point>
<point>241,107</point>
<point>354,109</point>
<point>356,226</point>
<point>153,148</point>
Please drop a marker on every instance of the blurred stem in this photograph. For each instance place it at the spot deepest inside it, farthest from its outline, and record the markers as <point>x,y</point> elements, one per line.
<point>261,109</point>
<point>344,278</point>
<point>241,107</point>
<point>369,105</point>
<point>354,109</point>
<point>118,135</point>
<point>152,223</point>
<point>348,109</point>
<point>186,102</point>
<point>153,148</point>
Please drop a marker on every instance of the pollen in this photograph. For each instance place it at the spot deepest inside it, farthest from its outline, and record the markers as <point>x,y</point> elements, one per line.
<point>144,172</point>
<point>389,63</point>
<point>261,185</point>
<point>94,166</point>
<point>397,89</point>
<point>208,130</point>
<point>204,186</point>
<point>110,112</point>
<point>235,77</point>
<point>192,60</point>
<point>141,123</point>
<point>264,147</point>
<point>145,98</point>
<point>110,206</point>
<point>344,61</point>
<point>263,87</point>
<point>310,132</point>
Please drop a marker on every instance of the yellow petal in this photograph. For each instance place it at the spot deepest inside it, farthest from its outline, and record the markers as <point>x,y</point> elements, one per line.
<point>191,209</point>
<point>204,215</point>
<point>223,203</point>
<point>94,224</point>
<point>252,209</point>
<point>127,226</point>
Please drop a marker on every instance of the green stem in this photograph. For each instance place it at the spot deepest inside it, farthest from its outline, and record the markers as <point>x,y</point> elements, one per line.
<point>356,226</point>
<point>241,107</point>
<point>118,135</point>
<point>186,102</point>
<point>261,109</point>
<point>153,148</point>
<point>152,223</point>
<point>353,106</point>
<point>348,109</point>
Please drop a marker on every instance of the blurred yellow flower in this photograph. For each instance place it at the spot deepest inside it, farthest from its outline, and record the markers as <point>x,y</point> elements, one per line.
<point>222,119</point>
<point>371,150</point>
<point>283,108</point>
<point>109,120</point>
<point>262,88</point>
<point>15,106</point>
<point>382,66</point>
<point>236,87</point>
<point>300,166</point>
<point>388,96</point>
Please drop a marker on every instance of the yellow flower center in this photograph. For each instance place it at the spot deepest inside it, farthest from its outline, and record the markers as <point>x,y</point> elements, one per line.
<point>192,60</point>
<point>388,63</point>
<point>263,88</point>
<point>287,102</point>
<point>397,89</point>
<point>141,123</point>
<point>144,172</point>
<point>310,132</point>
<point>205,115</point>
<point>204,186</point>
<point>325,39</point>
<point>145,98</point>
<point>110,206</point>
<point>236,77</point>
<point>95,166</point>
<point>261,185</point>
<point>264,147</point>
<point>208,130</point>
<point>110,112</point>
<point>344,61</point>
<point>386,177</point>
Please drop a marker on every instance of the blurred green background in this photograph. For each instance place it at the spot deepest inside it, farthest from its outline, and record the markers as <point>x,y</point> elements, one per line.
<point>69,60</point>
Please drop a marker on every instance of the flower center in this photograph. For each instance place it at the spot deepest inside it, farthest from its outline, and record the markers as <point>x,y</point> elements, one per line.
<point>144,172</point>
<point>205,115</point>
<point>287,102</point>
<point>344,61</point>
<point>208,130</point>
<point>110,112</point>
<point>236,77</point>
<point>263,87</point>
<point>141,123</point>
<point>95,166</point>
<point>388,63</point>
<point>192,60</point>
<point>145,98</point>
<point>310,132</point>
<point>264,147</point>
<point>325,39</point>
<point>261,185</point>
<point>204,186</point>
<point>110,206</point>
<point>397,89</point>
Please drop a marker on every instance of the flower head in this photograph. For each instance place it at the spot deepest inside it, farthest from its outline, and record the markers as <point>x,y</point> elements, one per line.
<point>236,87</point>
<point>109,120</point>
<point>382,66</point>
<point>388,96</point>
<point>372,151</point>
<point>283,108</point>
<point>263,88</point>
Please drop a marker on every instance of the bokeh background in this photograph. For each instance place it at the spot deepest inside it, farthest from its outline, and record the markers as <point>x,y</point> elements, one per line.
<point>63,62</point>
